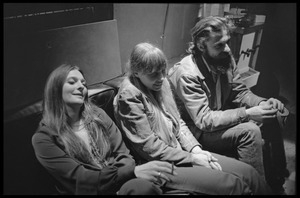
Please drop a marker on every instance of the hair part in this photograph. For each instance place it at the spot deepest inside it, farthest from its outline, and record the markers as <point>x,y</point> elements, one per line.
<point>146,58</point>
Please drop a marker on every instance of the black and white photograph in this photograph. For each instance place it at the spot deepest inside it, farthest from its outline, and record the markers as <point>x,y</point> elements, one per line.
<point>149,98</point>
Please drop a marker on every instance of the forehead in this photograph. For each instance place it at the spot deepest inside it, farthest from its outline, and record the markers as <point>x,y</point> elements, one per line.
<point>219,37</point>
<point>75,73</point>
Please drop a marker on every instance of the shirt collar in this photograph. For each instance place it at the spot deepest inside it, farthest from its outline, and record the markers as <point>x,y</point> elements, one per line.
<point>205,63</point>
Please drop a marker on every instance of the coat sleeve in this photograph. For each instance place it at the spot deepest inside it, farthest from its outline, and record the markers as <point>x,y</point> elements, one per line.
<point>80,178</point>
<point>240,94</point>
<point>185,137</point>
<point>130,112</point>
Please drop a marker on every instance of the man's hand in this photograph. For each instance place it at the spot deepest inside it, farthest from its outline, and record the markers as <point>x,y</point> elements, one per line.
<point>261,113</point>
<point>276,104</point>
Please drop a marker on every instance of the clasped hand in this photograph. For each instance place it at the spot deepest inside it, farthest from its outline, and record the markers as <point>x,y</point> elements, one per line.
<point>265,110</point>
<point>276,104</point>
<point>205,158</point>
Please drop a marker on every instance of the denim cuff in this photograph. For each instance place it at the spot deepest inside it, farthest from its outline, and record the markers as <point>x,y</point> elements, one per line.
<point>242,115</point>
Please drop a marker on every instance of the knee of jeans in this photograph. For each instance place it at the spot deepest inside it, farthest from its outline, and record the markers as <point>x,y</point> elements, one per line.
<point>139,187</point>
<point>253,131</point>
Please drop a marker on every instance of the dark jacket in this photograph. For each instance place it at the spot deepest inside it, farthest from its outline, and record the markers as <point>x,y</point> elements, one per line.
<point>194,86</point>
<point>81,178</point>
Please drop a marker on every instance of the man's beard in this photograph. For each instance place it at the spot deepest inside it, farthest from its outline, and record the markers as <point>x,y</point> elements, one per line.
<point>215,62</point>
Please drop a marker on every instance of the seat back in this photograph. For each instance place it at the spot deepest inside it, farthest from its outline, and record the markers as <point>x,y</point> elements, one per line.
<point>102,96</point>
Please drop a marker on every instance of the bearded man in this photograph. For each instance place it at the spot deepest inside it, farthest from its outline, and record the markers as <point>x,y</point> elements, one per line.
<point>224,115</point>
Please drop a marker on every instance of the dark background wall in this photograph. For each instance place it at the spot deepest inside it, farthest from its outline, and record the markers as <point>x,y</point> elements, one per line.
<point>38,37</point>
<point>277,54</point>
<point>31,17</point>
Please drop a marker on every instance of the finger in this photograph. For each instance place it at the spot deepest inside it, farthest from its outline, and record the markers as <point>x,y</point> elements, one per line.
<point>281,107</point>
<point>214,159</point>
<point>269,116</point>
<point>163,176</point>
<point>270,112</point>
<point>167,169</point>
<point>213,166</point>
<point>208,154</point>
<point>164,164</point>
<point>267,107</point>
<point>276,104</point>
<point>206,164</point>
<point>218,165</point>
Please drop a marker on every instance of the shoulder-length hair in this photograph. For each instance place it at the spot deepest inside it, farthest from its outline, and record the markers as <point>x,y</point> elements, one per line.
<point>55,117</point>
<point>147,58</point>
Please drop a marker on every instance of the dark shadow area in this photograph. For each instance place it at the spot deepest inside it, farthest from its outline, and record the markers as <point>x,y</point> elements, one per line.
<point>23,175</point>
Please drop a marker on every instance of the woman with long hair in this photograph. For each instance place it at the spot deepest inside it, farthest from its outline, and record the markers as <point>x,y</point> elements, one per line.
<point>81,147</point>
<point>148,116</point>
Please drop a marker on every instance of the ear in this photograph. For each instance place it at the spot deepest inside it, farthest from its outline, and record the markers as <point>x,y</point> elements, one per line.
<point>200,45</point>
<point>136,74</point>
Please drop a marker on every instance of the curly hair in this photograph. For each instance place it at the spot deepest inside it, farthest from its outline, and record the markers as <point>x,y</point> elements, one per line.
<point>201,31</point>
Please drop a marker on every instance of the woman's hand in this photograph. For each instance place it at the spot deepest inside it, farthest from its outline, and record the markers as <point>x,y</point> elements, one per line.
<point>205,158</point>
<point>155,170</point>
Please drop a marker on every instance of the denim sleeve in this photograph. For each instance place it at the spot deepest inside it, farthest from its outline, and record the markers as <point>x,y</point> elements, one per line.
<point>130,112</point>
<point>240,94</point>
<point>186,138</point>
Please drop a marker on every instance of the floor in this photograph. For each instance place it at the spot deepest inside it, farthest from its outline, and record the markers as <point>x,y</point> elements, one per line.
<point>288,97</point>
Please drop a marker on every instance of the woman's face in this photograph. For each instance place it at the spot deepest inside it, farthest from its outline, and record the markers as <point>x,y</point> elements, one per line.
<point>74,89</point>
<point>152,81</point>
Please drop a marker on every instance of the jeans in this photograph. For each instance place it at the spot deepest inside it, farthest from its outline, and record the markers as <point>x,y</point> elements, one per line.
<point>236,178</point>
<point>242,141</point>
<point>139,187</point>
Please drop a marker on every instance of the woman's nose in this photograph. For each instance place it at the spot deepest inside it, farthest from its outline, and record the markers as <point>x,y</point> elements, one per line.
<point>80,85</point>
<point>161,76</point>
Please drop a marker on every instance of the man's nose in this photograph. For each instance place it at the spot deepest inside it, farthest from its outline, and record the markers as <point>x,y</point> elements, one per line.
<point>227,48</point>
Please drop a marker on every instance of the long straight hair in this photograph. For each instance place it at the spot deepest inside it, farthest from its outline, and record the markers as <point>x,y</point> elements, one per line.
<point>147,58</point>
<point>55,117</point>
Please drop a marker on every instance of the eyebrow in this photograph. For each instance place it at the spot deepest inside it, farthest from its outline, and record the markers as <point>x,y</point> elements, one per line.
<point>223,40</point>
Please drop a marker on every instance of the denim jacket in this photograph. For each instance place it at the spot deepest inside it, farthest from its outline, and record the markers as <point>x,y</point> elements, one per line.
<point>194,90</point>
<point>132,108</point>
